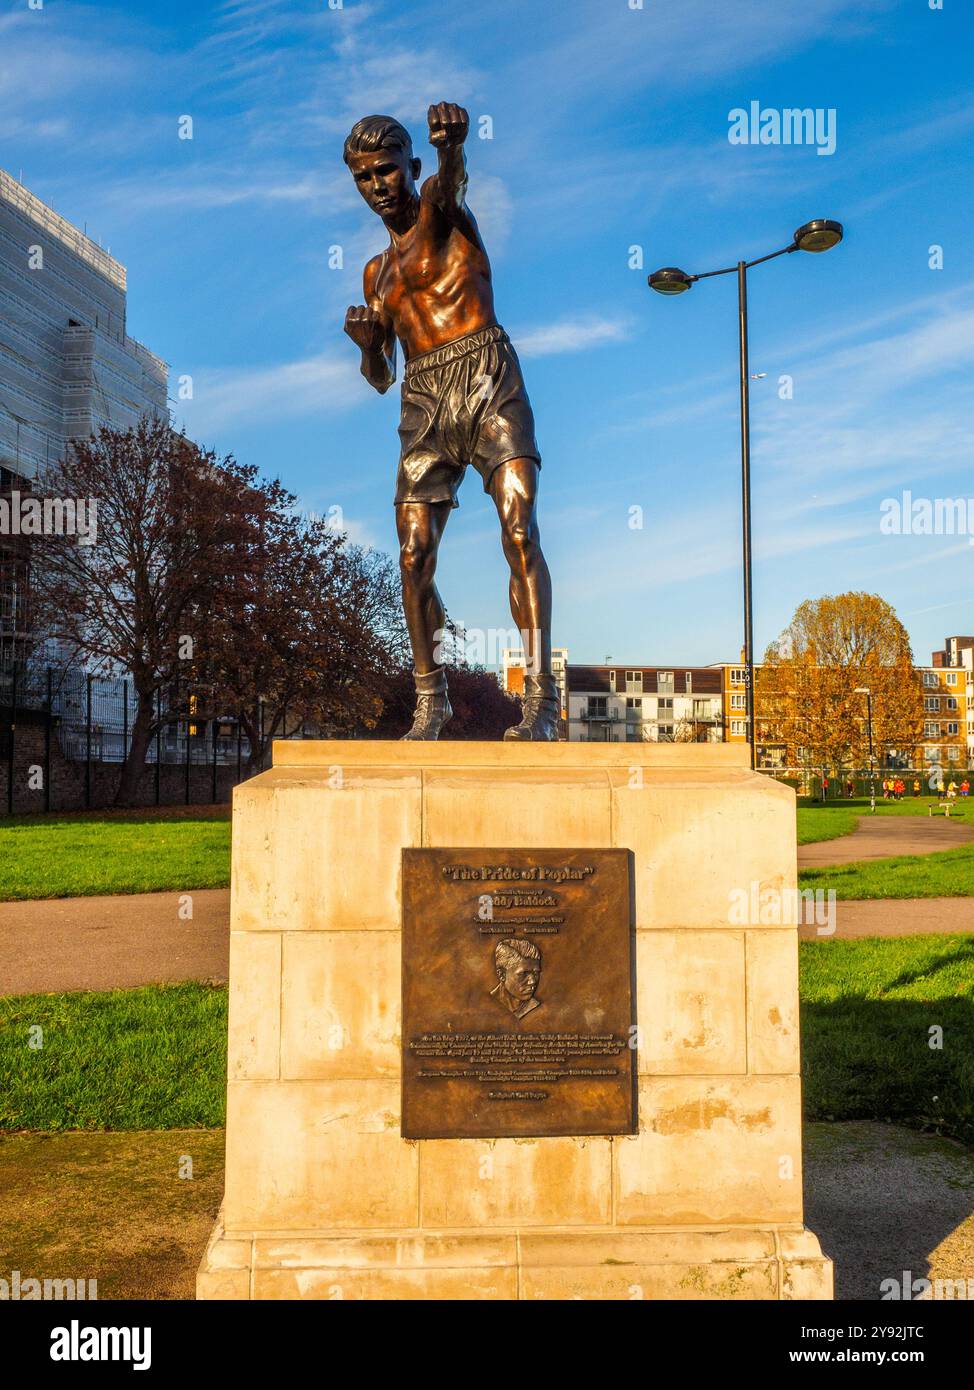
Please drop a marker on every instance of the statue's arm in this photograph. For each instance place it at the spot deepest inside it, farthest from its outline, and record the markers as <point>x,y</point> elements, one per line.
<point>371,329</point>
<point>447,188</point>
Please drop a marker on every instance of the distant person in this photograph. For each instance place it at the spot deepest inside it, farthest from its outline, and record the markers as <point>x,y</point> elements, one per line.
<point>965,787</point>
<point>916,786</point>
<point>825,787</point>
<point>899,788</point>
<point>952,792</point>
<point>849,789</point>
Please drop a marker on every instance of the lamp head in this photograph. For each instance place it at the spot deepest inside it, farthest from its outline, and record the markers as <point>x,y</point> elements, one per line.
<point>820,235</point>
<point>670,280</point>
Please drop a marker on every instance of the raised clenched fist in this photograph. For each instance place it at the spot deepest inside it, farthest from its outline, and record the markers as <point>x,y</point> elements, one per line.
<point>448,125</point>
<point>365,327</point>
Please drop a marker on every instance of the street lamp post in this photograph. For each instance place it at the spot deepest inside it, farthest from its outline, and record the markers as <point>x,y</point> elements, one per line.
<point>863,690</point>
<point>817,236</point>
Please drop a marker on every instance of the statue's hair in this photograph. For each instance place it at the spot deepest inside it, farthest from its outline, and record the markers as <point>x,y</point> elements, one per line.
<point>377,133</point>
<point>511,951</point>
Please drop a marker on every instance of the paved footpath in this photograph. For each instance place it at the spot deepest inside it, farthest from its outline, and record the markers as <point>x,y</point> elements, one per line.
<point>119,942</point>
<point>897,917</point>
<point>882,837</point>
<point>113,942</point>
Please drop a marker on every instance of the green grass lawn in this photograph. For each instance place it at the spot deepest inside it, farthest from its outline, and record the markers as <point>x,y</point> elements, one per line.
<point>77,856</point>
<point>827,821</point>
<point>152,1058</point>
<point>156,851</point>
<point>946,874</point>
<point>817,823</point>
<point>155,1058</point>
<point>868,1008</point>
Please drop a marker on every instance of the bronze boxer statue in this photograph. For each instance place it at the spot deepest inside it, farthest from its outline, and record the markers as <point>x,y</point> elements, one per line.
<point>463,398</point>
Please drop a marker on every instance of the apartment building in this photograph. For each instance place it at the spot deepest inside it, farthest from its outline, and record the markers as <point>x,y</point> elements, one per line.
<point>948,704</point>
<point>622,704</point>
<point>733,689</point>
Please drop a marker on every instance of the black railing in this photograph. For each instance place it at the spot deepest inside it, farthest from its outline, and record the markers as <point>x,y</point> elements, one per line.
<point>89,719</point>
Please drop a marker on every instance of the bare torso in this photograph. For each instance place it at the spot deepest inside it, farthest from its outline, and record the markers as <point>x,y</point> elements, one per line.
<point>433,281</point>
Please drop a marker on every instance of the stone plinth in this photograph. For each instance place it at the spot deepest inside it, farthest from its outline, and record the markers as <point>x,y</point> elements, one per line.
<point>324,1199</point>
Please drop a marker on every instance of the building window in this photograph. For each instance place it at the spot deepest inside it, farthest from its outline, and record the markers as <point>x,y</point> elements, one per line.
<point>930,679</point>
<point>598,707</point>
<point>951,702</point>
<point>951,677</point>
<point>738,702</point>
<point>689,681</point>
<point>953,754</point>
<point>953,728</point>
<point>932,703</point>
<point>931,730</point>
<point>738,726</point>
<point>634,681</point>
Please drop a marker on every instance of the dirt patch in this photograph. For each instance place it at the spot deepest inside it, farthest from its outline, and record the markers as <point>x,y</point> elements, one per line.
<point>882,1199</point>
<point>111,1207</point>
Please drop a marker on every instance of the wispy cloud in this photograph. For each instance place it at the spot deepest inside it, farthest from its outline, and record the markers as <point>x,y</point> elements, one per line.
<point>569,335</point>
<point>221,186</point>
<point>236,396</point>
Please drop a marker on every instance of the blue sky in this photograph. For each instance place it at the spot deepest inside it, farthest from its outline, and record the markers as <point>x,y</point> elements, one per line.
<point>610,131</point>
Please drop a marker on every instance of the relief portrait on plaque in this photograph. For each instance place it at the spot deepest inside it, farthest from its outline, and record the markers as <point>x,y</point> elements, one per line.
<point>518,965</point>
<point>464,402</point>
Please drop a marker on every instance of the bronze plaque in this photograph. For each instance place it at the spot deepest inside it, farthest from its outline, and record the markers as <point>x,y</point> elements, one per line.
<point>517,993</point>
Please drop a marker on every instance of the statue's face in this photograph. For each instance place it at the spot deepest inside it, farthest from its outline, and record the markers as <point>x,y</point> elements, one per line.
<point>521,980</point>
<point>386,179</point>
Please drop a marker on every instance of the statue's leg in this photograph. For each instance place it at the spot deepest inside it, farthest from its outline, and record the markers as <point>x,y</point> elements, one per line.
<point>420,526</point>
<point>514,488</point>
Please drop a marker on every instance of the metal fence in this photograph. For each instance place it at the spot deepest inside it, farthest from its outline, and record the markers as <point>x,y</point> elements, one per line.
<point>90,719</point>
<point>929,780</point>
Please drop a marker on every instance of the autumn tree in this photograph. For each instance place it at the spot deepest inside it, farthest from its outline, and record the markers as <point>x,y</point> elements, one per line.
<point>166,515</point>
<point>807,690</point>
<point>307,629</point>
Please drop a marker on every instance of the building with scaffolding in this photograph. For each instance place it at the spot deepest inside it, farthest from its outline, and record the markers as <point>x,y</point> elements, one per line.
<point>67,363</point>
